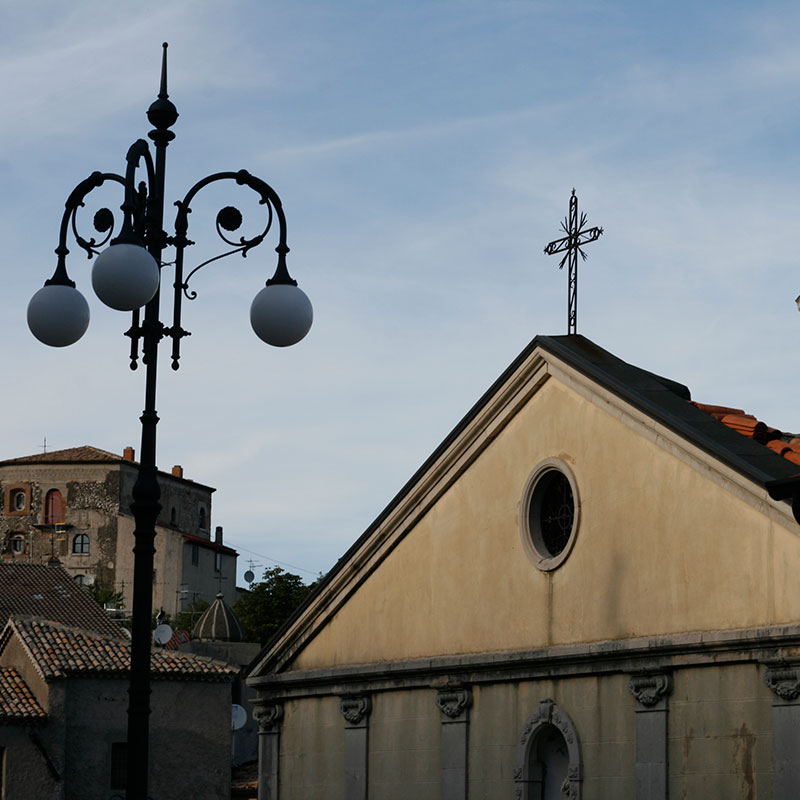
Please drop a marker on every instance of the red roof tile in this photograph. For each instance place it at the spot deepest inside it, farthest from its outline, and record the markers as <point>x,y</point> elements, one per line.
<point>718,411</point>
<point>784,444</point>
<point>59,651</point>
<point>17,701</point>
<point>779,446</point>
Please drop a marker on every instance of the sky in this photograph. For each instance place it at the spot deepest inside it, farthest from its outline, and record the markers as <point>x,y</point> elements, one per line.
<point>424,152</point>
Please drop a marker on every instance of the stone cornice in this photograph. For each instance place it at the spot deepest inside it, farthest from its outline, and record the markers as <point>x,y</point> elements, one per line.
<point>633,656</point>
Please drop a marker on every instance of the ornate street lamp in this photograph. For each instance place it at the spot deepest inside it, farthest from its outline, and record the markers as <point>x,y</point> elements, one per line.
<point>126,276</point>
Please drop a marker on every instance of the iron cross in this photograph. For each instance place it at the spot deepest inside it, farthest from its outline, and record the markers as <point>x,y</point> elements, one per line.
<point>577,236</point>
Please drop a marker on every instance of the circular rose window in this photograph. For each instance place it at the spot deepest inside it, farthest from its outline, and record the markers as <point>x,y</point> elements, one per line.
<point>549,514</point>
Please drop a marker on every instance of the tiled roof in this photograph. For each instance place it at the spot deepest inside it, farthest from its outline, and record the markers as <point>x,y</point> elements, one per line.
<point>784,444</point>
<point>50,592</point>
<point>59,651</point>
<point>177,639</point>
<point>85,454</point>
<point>17,701</point>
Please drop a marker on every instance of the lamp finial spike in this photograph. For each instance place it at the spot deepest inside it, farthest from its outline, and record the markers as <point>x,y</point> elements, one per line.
<point>163,93</point>
<point>162,112</point>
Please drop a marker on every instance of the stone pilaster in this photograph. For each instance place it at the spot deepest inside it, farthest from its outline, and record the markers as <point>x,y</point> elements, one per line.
<point>454,703</point>
<point>651,691</point>
<point>784,680</point>
<point>356,710</point>
<point>268,716</point>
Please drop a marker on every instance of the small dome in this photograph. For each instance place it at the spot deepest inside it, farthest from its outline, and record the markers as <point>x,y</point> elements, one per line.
<point>218,623</point>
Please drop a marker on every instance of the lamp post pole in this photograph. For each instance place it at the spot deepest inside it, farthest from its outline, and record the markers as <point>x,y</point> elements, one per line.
<point>128,275</point>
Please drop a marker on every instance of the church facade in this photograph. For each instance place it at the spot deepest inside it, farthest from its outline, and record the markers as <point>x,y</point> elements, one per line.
<point>586,591</point>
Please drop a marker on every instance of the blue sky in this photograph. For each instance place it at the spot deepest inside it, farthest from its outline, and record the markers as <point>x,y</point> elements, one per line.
<point>424,153</point>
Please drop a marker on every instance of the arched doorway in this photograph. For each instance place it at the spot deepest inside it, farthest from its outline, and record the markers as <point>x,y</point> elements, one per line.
<point>548,763</point>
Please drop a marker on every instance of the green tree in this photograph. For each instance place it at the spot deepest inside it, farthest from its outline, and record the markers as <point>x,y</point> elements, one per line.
<point>105,595</point>
<point>270,603</point>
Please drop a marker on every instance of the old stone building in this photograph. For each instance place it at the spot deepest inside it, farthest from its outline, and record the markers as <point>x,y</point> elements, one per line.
<point>75,504</point>
<point>586,591</point>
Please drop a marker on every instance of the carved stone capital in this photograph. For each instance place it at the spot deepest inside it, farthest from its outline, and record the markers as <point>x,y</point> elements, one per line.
<point>784,680</point>
<point>268,716</point>
<point>651,689</point>
<point>453,702</point>
<point>355,709</point>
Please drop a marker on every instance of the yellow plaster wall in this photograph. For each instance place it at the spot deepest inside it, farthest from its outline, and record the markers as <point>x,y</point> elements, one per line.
<point>661,549</point>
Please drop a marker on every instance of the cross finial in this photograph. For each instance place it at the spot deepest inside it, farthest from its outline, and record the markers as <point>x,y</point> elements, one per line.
<point>571,244</point>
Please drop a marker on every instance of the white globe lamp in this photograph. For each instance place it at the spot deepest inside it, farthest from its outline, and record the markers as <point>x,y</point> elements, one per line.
<point>58,315</point>
<point>281,314</point>
<point>125,276</point>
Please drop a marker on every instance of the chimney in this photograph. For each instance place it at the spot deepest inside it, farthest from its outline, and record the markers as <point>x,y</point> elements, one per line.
<point>177,471</point>
<point>218,534</point>
<point>128,454</point>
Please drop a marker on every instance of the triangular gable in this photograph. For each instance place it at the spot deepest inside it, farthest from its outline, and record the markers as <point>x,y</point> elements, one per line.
<point>651,409</point>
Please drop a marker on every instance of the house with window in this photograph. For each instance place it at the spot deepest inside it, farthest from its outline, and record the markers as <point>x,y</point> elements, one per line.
<point>74,504</point>
<point>63,717</point>
<point>589,590</point>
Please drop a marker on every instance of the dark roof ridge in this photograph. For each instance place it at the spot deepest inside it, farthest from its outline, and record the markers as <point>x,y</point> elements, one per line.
<point>657,399</point>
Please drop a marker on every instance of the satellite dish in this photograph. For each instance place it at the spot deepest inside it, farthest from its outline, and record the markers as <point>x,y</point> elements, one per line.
<point>238,717</point>
<point>162,634</point>
<point>249,575</point>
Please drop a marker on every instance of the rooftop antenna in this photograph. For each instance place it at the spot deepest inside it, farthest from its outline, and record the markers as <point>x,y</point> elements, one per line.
<point>249,576</point>
<point>577,236</point>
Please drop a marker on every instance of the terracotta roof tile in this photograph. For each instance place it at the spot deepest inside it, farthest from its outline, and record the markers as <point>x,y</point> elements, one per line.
<point>718,411</point>
<point>786,445</point>
<point>50,592</point>
<point>779,446</point>
<point>17,701</point>
<point>60,651</point>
